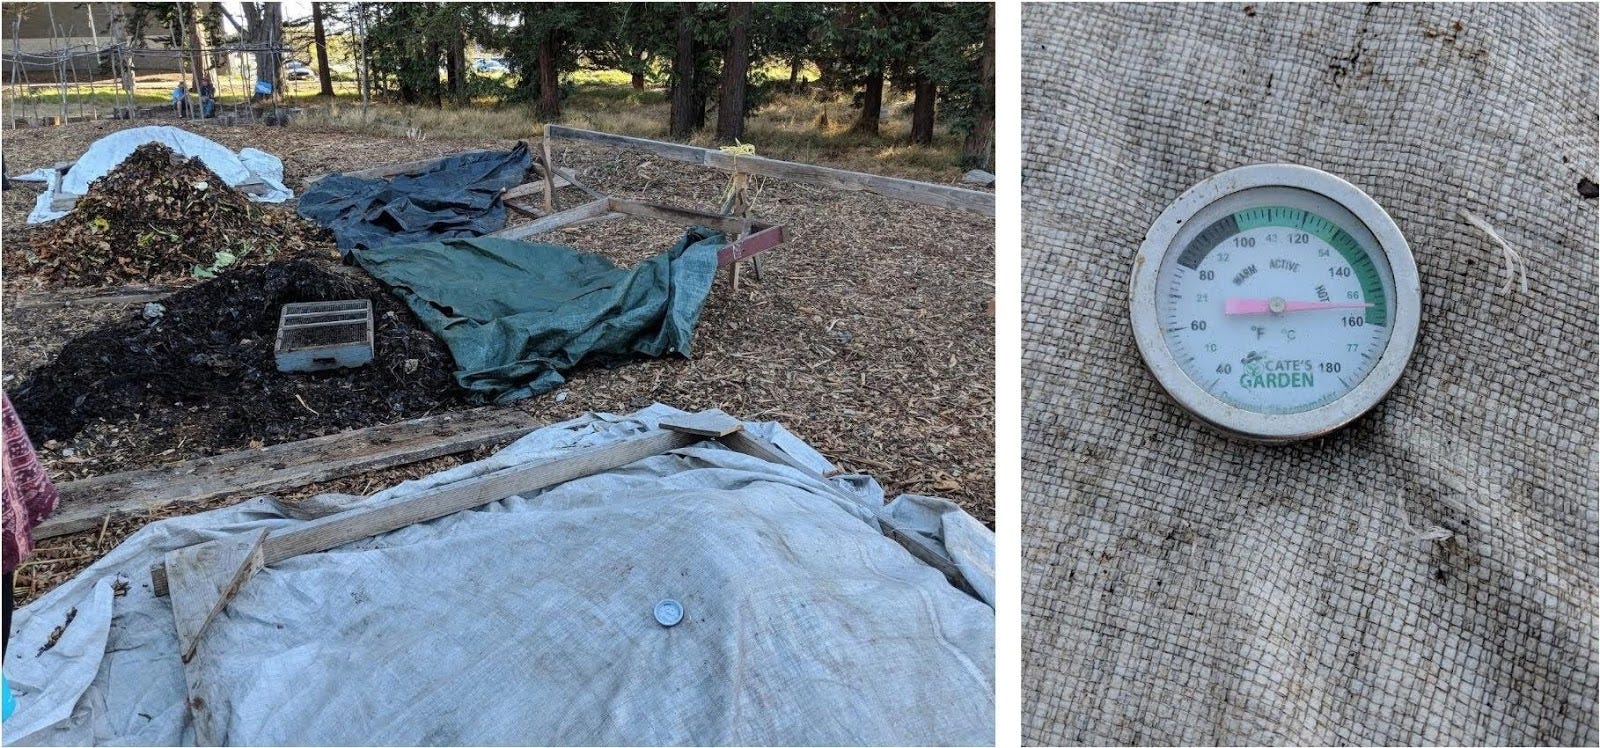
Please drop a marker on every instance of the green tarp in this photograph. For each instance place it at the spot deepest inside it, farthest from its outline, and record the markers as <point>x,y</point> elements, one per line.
<point>516,315</point>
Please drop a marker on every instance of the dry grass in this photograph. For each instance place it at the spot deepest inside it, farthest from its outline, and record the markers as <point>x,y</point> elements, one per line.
<point>805,128</point>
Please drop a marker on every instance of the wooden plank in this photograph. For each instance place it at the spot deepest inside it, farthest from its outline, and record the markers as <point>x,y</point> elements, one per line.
<point>583,212</point>
<point>529,212</point>
<point>685,216</point>
<point>925,193</point>
<point>203,578</point>
<point>920,547</point>
<point>704,423</point>
<point>572,180</point>
<point>549,169</point>
<point>86,503</point>
<point>752,245</point>
<point>80,296</point>
<point>209,729</point>
<point>527,189</point>
<point>349,526</point>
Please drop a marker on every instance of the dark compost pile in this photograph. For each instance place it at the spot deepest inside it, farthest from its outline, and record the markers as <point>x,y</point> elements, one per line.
<point>201,370</point>
<point>157,215</point>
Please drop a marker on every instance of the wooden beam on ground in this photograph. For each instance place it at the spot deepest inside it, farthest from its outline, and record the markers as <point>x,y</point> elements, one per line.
<point>920,547</point>
<point>529,189</point>
<point>583,212</point>
<point>925,193</point>
<point>82,296</point>
<point>86,503</point>
<point>572,180</point>
<point>685,216</point>
<point>203,578</point>
<point>349,526</point>
<point>751,245</point>
<point>529,212</point>
<point>705,423</point>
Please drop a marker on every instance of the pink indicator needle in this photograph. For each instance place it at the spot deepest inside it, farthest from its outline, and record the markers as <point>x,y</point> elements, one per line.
<point>1277,306</point>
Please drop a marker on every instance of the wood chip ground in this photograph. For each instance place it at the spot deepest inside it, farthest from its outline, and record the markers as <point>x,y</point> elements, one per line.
<point>871,335</point>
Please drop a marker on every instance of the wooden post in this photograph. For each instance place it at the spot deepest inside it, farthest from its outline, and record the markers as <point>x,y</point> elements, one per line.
<point>737,204</point>
<point>550,203</point>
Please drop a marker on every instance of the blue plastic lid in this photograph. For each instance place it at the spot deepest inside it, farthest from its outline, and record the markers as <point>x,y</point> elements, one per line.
<point>669,612</point>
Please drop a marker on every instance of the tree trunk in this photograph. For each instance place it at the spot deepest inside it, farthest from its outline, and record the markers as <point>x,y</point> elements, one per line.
<point>118,35</point>
<point>795,63</point>
<point>216,37</point>
<point>735,74</point>
<point>456,67</point>
<point>435,91</point>
<point>871,103</point>
<point>683,73</point>
<point>197,58</point>
<point>549,78</point>
<point>321,40</point>
<point>978,151</point>
<point>639,62</point>
<point>266,27</point>
<point>922,110</point>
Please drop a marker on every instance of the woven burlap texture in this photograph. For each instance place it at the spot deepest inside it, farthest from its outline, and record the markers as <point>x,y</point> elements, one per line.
<point>1183,588</point>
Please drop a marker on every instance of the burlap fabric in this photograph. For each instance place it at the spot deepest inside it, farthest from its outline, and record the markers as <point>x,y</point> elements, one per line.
<point>1182,588</point>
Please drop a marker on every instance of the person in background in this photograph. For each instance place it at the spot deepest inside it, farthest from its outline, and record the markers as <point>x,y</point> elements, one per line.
<point>208,99</point>
<point>180,100</point>
<point>29,497</point>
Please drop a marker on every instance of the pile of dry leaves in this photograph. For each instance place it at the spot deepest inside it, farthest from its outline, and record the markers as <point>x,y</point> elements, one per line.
<point>159,216</point>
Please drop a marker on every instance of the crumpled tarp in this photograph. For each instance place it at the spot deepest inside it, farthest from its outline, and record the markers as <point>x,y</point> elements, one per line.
<point>458,197</point>
<point>515,315</point>
<point>234,169</point>
<point>528,621</point>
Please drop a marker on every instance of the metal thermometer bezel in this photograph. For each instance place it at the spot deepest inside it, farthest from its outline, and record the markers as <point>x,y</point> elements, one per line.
<point>1275,428</point>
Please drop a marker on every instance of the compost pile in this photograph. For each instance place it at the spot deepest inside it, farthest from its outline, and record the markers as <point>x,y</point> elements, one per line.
<point>199,370</point>
<point>157,215</point>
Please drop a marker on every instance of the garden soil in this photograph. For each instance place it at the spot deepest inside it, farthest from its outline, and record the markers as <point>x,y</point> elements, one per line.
<point>199,368</point>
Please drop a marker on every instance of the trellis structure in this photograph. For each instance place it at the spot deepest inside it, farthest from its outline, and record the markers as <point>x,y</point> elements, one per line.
<point>75,71</point>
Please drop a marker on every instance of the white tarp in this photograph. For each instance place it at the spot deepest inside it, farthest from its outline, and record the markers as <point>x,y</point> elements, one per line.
<point>248,165</point>
<point>529,621</point>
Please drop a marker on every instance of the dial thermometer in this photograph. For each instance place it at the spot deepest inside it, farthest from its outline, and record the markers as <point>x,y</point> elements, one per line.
<point>1275,302</point>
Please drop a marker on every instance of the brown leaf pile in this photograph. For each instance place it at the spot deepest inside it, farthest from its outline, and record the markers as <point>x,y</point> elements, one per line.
<point>159,216</point>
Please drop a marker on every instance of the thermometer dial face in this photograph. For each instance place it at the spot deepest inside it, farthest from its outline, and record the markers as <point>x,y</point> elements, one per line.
<point>1268,303</point>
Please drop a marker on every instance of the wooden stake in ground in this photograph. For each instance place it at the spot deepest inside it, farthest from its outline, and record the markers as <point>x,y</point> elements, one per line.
<point>550,204</point>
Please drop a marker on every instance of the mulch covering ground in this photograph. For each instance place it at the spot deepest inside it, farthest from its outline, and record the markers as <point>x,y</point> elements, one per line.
<point>871,335</point>
<point>157,216</point>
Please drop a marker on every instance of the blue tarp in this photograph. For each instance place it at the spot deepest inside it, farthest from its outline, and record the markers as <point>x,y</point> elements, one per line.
<point>459,197</point>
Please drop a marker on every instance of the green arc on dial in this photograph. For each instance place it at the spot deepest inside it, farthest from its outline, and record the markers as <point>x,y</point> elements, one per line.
<point>1339,239</point>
